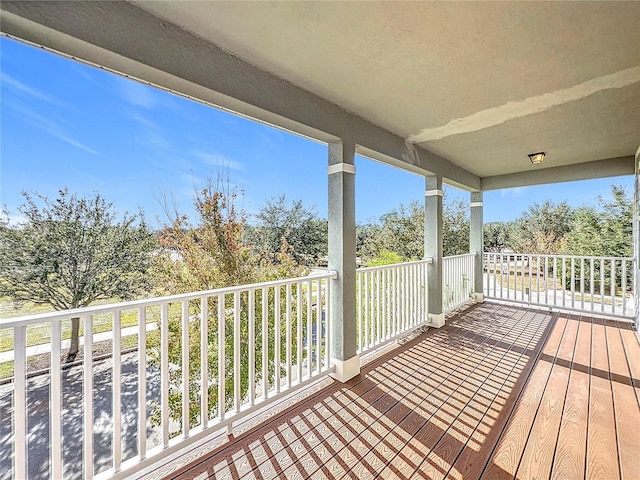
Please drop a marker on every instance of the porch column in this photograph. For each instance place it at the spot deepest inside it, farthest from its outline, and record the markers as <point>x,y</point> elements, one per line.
<point>476,243</point>
<point>433,247</point>
<point>342,259</point>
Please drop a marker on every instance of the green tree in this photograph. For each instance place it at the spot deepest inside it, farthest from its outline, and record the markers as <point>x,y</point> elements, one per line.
<point>455,226</point>
<point>206,253</point>
<point>605,229</point>
<point>542,228</point>
<point>401,231</point>
<point>384,257</point>
<point>73,251</point>
<point>299,226</point>
<point>498,236</point>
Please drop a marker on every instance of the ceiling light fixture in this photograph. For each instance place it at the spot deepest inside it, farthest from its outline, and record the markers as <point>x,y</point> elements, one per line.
<point>536,158</point>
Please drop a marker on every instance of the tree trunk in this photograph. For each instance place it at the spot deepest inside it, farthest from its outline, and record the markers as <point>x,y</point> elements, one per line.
<point>75,339</point>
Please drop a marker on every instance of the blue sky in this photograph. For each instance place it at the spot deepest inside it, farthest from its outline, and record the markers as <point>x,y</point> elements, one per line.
<point>67,124</point>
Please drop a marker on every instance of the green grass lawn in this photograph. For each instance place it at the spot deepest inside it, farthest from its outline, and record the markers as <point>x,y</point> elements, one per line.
<point>6,368</point>
<point>41,334</point>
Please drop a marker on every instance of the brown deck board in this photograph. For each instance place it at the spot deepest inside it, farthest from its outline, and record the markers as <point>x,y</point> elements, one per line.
<point>506,458</point>
<point>537,459</point>
<point>627,413</point>
<point>602,449</point>
<point>569,461</point>
<point>440,460</point>
<point>630,342</point>
<point>499,391</point>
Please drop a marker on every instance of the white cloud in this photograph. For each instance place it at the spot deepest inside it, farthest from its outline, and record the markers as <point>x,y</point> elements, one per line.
<point>515,192</point>
<point>136,93</point>
<point>16,220</point>
<point>23,90</point>
<point>47,125</point>
<point>218,160</point>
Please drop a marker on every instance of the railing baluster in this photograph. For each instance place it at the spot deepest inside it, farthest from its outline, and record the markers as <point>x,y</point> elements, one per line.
<point>378,295</point>
<point>501,273</point>
<point>204,362</point>
<point>87,393</point>
<point>116,402</point>
<point>414,294</point>
<point>299,322</point>
<point>582,284</point>
<point>508,276</point>
<point>396,299</point>
<point>56,400</point>
<point>277,339</point>
<point>385,304</point>
<point>612,284</point>
<point>359,313</point>
<point>403,307</point>
<point>319,326</point>
<point>288,333</point>
<point>237,362</point>
<point>495,277</point>
<point>539,269</point>
<point>327,349</point>
<point>602,284</point>
<point>252,346</point>
<point>592,281</point>
<point>545,279</point>
<point>142,383</point>
<point>624,286</point>
<point>20,401</point>
<point>555,280</point>
<point>222,374</point>
<point>164,373</point>
<point>367,344</point>
<point>265,342</point>
<point>530,278</point>
<point>310,328</point>
<point>564,281</point>
<point>573,282</point>
<point>185,368</point>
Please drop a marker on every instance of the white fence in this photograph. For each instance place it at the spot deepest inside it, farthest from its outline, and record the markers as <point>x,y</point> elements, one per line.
<point>390,300</point>
<point>217,356</point>
<point>592,284</point>
<point>198,362</point>
<point>457,280</point>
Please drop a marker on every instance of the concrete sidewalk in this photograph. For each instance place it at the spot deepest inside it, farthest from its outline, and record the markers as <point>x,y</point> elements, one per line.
<point>98,337</point>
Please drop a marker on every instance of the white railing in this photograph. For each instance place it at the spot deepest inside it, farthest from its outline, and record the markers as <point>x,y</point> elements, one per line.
<point>582,283</point>
<point>214,357</point>
<point>457,280</point>
<point>390,300</point>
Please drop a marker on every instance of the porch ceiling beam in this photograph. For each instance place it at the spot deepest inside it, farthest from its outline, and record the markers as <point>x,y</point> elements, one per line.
<point>612,167</point>
<point>126,39</point>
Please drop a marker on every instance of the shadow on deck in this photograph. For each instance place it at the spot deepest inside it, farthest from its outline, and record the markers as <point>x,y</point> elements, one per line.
<point>500,392</point>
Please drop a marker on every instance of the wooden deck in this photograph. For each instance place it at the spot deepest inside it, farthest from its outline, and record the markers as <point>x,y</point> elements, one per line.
<point>500,392</point>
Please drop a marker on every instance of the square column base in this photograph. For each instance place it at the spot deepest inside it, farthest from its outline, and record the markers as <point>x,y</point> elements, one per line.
<point>346,369</point>
<point>479,297</point>
<point>436,321</point>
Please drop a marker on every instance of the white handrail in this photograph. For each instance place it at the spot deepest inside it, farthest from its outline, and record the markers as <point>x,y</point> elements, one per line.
<point>148,302</point>
<point>457,280</point>
<point>231,327</point>
<point>390,300</point>
<point>587,283</point>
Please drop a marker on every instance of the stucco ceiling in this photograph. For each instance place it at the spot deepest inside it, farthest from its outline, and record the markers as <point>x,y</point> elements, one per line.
<point>461,89</point>
<point>481,84</point>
